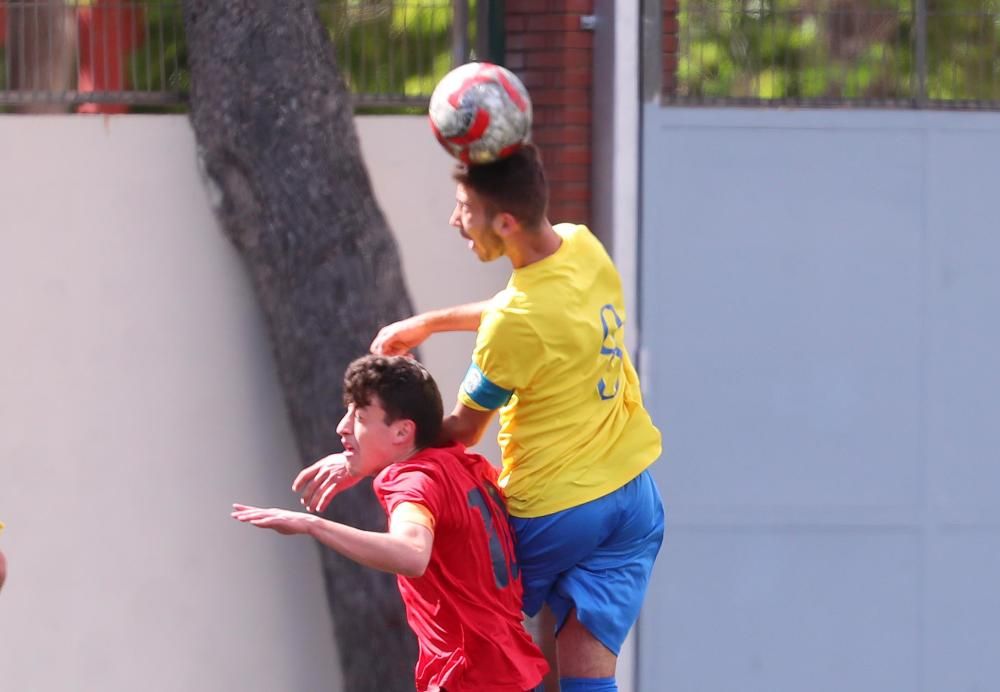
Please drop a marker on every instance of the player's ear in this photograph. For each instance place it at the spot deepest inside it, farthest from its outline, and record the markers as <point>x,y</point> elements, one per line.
<point>404,431</point>
<point>504,223</point>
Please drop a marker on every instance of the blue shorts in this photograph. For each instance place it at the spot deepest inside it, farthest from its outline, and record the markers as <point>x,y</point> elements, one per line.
<point>596,557</point>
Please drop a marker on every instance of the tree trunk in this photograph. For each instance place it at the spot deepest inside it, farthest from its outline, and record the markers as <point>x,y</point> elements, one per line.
<point>274,125</point>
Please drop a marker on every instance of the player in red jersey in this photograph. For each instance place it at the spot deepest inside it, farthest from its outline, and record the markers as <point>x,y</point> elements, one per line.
<point>448,538</point>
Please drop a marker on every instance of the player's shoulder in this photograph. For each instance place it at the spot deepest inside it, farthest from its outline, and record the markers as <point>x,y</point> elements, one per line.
<point>582,242</point>
<point>506,303</point>
<point>453,461</point>
<point>432,460</point>
<point>571,231</point>
<point>418,468</point>
<point>575,234</point>
<point>476,464</point>
<point>511,313</point>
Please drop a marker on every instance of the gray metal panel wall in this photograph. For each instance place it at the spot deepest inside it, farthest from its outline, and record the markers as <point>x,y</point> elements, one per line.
<point>820,330</point>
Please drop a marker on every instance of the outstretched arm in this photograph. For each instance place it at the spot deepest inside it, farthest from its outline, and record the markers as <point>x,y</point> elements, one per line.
<point>405,549</point>
<point>399,338</point>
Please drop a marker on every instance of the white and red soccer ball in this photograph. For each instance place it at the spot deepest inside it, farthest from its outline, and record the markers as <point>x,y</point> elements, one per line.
<point>480,112</point>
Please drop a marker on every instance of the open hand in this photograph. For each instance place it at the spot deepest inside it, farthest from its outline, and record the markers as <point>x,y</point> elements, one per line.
<point>280,520</point>
<point>321,482</point>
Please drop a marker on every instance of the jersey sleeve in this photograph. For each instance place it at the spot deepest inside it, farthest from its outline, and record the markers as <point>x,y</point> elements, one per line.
<point>504,361</point>
<point>410,485</point>
<point>413,513</point>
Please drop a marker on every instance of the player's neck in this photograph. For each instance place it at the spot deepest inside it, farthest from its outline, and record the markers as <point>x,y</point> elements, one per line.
<point>528,247</point>
<point>413,451</point>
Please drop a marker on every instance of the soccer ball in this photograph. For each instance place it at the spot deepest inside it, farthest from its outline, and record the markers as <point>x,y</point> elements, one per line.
<point>480,112</point>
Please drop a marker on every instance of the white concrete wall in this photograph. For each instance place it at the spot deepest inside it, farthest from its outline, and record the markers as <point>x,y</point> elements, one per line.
<point>412,179</point>
<point>139,400</point>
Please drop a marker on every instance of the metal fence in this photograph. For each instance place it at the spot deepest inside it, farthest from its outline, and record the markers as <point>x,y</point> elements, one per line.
<point>897,53</point>
<point>117,55</point>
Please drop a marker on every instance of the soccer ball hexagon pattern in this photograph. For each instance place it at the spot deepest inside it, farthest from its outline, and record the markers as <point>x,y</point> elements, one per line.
<point>480,112</point>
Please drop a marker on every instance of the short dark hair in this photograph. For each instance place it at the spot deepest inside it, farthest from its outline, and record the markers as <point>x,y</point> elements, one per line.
<point>515,184</point>
<point>404,388</point>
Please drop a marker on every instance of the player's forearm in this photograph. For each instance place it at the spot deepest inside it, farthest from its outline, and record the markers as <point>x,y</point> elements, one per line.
<point>381,551</point>
<point>460,318</point>
<point>465,425</point>
<point>454,430</point>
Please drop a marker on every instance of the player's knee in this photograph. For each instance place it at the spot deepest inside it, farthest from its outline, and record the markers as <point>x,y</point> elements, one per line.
<point>581,654</point>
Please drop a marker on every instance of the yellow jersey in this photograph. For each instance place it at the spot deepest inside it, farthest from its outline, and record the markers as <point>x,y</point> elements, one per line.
<point>550,354</point>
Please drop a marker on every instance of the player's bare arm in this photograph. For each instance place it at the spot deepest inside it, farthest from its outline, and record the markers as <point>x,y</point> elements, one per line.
<point>405,549</point>
<point>400,338</point>
<point>319,483</point>
<point>465,425</point>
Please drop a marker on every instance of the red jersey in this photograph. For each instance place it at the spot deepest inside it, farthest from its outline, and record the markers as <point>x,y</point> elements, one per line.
<point>466,608</point>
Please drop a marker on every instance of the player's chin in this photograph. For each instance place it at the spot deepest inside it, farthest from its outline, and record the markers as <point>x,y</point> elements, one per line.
<point>486,256</point>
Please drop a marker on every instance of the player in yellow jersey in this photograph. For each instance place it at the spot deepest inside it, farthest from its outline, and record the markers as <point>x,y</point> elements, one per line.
<point>575,438</point>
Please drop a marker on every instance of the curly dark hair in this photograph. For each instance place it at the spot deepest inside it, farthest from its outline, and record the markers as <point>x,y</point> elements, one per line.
<point>404,388</point>
<point>515,184</point>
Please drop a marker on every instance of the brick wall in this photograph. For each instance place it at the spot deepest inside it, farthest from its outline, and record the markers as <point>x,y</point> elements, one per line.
<point>553,56</point>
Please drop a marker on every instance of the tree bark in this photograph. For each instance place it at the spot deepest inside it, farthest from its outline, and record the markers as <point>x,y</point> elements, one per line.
<point>274,124</point>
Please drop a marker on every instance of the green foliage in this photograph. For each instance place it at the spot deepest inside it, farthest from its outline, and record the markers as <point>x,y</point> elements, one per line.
<point>159,63</point>
<point>963,49</point>
<point>396,50</point>
<point>837,49</point>
<point>388,50</point>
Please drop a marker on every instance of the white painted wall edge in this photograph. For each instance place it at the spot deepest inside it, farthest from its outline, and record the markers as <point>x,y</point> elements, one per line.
<point>625,215</point>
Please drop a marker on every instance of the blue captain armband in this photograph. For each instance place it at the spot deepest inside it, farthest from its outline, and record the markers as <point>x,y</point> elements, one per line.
<point>484,392</point>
